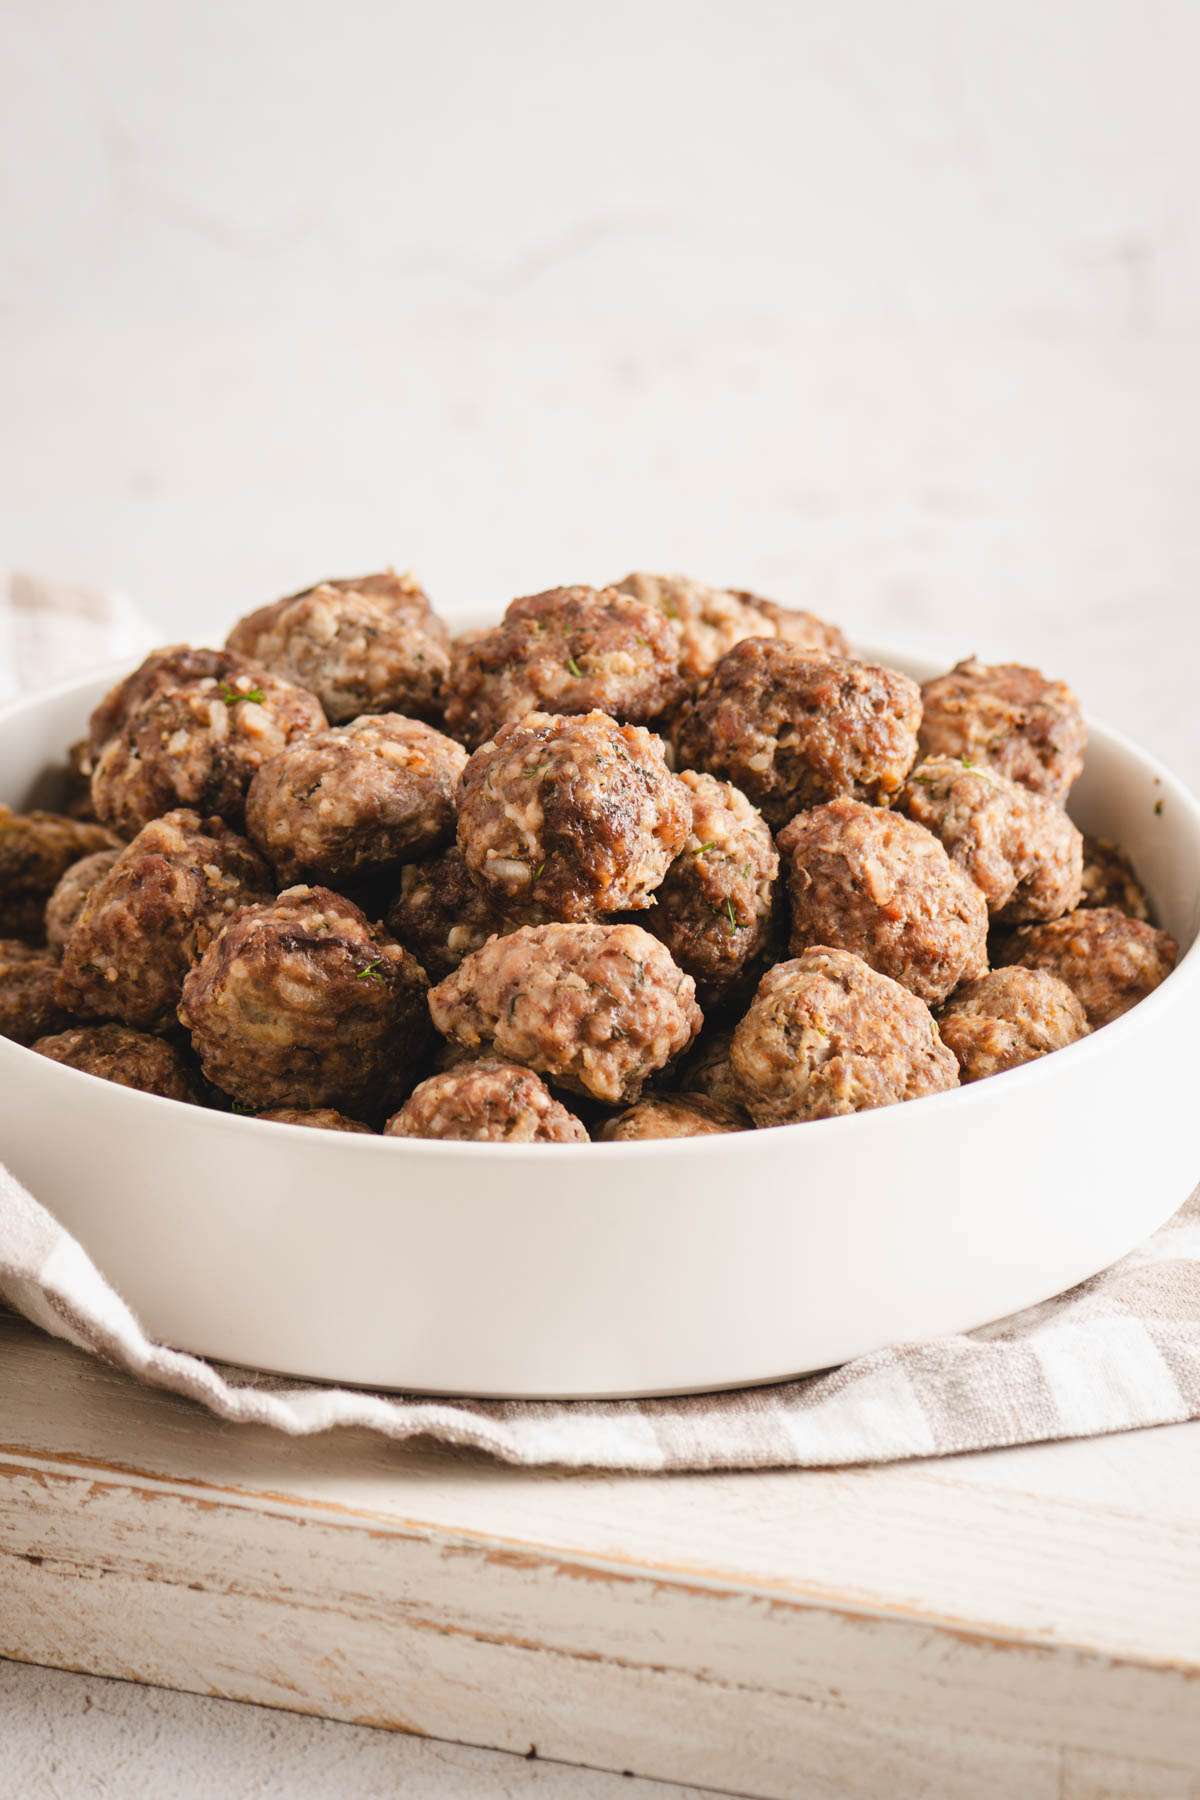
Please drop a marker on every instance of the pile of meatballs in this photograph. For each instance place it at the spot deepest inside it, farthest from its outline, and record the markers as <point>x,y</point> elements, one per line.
<point>650,860</point>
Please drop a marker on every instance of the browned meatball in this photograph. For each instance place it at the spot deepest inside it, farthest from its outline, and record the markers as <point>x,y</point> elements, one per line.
<point>132,1059</point>
<point>798,626</point>
<point>715,908</point>
<point>1019,849</point>
<point>441,915</point>
<point>142,925</point>
<point>1109,879</point>
<point>174,666</point>
<point>826,1034</point>
<point>711,620</point>
<point>77,783</point>
<point>1004,714</point>
<point>486,1102</point>
<point>871,881</point>
<point>320,1118</point>
<point>357,800</point>
<point>1108,960</point>
<point>569,650</point>
<point>29,1005</point>
<point>597,1008</point>
<point>368,644</point>
<point>302,1003</point>
<point>1009,1017</point>
<point>577,815</point>
<point>66,902</point>
<point>792,728</point>
<point>705,1069</point>
<point>36,850</point>
<point>672,1116</point>
<point>199,744</point>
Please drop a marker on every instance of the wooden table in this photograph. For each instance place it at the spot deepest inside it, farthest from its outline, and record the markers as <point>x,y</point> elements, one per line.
<point>1014,1623</point>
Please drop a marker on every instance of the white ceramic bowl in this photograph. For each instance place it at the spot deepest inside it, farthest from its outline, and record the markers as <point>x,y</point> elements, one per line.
<point>628,1268</point>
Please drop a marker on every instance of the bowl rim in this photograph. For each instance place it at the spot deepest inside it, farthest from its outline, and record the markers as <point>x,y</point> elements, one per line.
<point>1183,980</point>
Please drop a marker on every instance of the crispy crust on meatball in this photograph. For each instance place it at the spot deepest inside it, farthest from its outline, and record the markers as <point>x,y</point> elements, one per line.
<point>672,1116</point>
<point>132,1059</point>
<point>569,650</point>
<point>1109,879</point>
<point>366,644</point>
<point>302,1003</point>
<point>36,850</point>
<point>29,1005</point>
<point>577,815</point>
<point>1009,1017</point>
<point>1108,960</point>
<point>1010,716</point>
<point>175,665</point>
<point>715,908</point>
<point>487,1102</point>
<point>597,1008</point>
<point>320,1118</point>
<point>441,915</point>
<point>356,800</point>
<point>199,744</point>
<point>66,902</point>
<point>159,906</point>
<point>863,879</point>
<point>827,1035</point>
<point>793,728</point>
<point>1019,849</point>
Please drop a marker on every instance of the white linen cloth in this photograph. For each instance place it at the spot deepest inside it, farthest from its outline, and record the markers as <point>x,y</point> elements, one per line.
<point>1119,1351</point>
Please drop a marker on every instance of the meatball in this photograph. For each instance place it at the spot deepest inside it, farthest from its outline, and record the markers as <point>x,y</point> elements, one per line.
<point>1009,716</point>
<point>357,800</point>
<point>143,924</point>
<point>29,1005</point>
<point>711,620</point>
<point>36,850</point>
<point>66,902</point>
<point>826,1034</point>
<point>441,915</point>
<point>369,644</point>
<point>487,1102</point>
<point>715,908</point>
<point>569,650</point>
<point>1108,960</point>
<point>302,1003</point>
<point>132,1059</point>
<point>320,1118</point>
<point>792,728</point>
<point>577,815</point>
<point>871,881</point>
<point>705,1070</point>
<point>1109,879</point>
<point>672,1116</point>
<point>1019,848</point>
<point>77,783</point>
<point>198,743</point>
<point>597,1008</point>
<point>176,665</point>
<point>797,626</point>
<point>1009,1017</point>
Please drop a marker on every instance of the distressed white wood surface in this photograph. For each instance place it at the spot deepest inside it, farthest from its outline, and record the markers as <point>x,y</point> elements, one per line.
<point>1019,1622</point>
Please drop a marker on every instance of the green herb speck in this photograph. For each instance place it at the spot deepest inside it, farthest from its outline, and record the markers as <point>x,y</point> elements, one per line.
<point>231,695</point>
<point>372,969</point>
<point>575,669</point>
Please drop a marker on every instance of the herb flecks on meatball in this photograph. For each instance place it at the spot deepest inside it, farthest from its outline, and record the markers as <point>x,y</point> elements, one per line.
<point>715,908</point>
<point>1009,1017</point>
<point>793,728</point>
<point>36,850</point>
<point>29,1004</point>
<point>596,1008</point>
<point>579,816</point>
<point>146,920</point>
<point>672,1116</point>
<point>826,1035</point>
<point>487,1102</point>
<point>1110,879</point>
<point>569,650</point>
<point>132,1059</point>
<point>357,800</point>
<point>300,1002</point>
<point>1108,960</point>
<point>1009,716</point>
<point>365,644</point>
<point>863,879</point>
<point>1019,849</point>
<point>199,743</point>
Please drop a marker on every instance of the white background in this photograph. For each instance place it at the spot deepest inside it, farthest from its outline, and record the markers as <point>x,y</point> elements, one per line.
<point>889,310</point>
